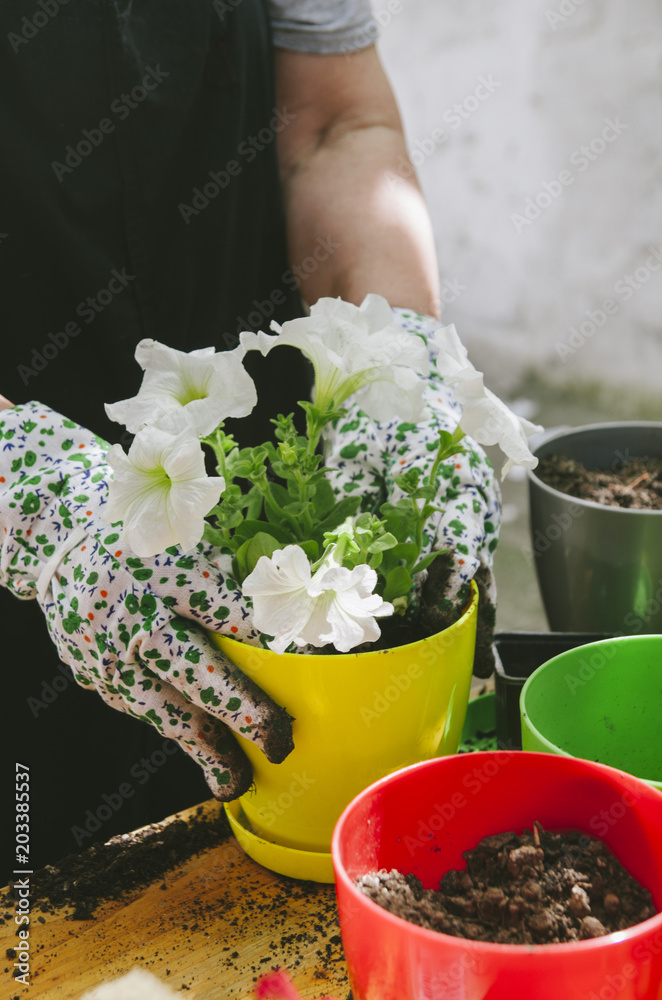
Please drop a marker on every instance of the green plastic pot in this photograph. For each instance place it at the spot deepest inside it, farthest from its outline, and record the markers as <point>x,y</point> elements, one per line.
<point>601,702</point>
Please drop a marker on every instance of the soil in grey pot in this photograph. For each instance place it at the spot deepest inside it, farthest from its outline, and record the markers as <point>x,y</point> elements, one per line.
<point>599,566</point>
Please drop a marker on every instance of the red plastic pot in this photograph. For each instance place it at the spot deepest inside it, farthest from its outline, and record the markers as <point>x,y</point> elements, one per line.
<point>422,818</point>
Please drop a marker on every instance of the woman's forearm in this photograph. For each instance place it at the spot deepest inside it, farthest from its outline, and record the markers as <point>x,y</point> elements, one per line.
<point>4,403</point>
<point>357,220</point>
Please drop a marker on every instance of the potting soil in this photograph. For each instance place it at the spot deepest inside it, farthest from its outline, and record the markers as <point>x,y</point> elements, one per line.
<point>636,484</point>
<point>124,863</point>
<point>539,888</point>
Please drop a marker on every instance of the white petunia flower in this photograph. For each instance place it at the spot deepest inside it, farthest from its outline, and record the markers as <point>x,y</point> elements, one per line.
<point>484,416</point>
<point>356,348</point>
<point>160,491</point>
<point>334,604</point>
<point>197,390</point>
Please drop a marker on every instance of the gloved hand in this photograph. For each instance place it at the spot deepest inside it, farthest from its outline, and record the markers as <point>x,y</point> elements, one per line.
<point>128,627</point>
<point>369,455</point>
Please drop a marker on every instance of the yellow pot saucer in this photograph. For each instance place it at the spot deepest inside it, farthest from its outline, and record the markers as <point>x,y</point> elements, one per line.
<point>310,865</point>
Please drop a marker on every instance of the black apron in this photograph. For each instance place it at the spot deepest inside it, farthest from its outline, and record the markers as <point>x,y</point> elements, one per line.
<point>139,197</point>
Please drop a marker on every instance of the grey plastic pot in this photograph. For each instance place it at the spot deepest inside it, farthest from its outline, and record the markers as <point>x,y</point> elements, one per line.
<point>599,568</point>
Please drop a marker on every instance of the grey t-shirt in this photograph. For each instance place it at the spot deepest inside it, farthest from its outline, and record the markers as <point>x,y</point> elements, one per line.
<point>325,26</point>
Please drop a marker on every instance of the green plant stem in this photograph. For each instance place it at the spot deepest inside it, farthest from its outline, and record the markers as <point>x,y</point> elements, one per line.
<point>445,452</point>
<point>314,430</point>
<point>303,498</point>
<point>215,440</point>
<point>269,502</point>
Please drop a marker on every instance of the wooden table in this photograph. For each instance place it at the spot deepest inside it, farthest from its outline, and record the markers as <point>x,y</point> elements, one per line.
<point>210,928</point>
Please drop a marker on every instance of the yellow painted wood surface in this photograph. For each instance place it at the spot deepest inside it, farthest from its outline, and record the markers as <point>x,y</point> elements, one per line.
<point>209,928</point>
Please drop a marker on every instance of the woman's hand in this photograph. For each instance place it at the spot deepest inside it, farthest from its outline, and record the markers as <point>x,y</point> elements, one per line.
<point>136,630</point>
<point>368,456</point>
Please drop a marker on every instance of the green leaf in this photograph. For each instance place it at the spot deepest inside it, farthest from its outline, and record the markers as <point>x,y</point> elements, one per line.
<point>213,535</point>
<point>323,498</point>
<point>311,548</point>
<point>426,560</point>
<point>250,528</point>
<point>408,481</point>
<point>346,507</point>
<point>398,583</point>
<point>407,551</point>
<point>252,549</point>
<point>383,542</point>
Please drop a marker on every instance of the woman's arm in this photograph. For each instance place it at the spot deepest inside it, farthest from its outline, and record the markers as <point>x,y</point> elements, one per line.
<point>353,202</point>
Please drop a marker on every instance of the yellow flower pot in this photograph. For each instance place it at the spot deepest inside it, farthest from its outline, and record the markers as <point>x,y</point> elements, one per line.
<point>358,717</point>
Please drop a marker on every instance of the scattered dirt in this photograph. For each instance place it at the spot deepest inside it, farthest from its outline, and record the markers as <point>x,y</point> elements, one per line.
<point>538,888</point>
<point>637,485</point>
<point>126,862</point>
<point>134,861</point>
<point>480,740</point>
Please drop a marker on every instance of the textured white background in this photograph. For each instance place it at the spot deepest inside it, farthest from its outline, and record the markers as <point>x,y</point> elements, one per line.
<point>563,68</point>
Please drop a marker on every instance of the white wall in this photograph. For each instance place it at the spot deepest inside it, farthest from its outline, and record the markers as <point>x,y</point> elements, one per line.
<point>557,73</point>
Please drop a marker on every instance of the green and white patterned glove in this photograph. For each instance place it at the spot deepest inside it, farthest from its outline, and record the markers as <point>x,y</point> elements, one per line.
<point>132,629</point>
<point>369,455</point>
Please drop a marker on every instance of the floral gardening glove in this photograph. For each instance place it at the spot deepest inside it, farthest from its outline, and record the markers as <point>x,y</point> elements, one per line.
<point>369,455</point>
<point>131,628</point>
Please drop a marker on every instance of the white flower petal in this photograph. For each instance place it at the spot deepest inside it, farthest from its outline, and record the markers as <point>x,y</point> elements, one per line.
<point>484,416</point>
<point>278,588</point>
<point>453,355</point>
<point>377,398</point>
<point>354,346</point>
<point>334,605</point>
<point>197,390</point>
<point>259,341</point>
<point>351,613</point>
<point>160,491</point>
<point>376,311</point>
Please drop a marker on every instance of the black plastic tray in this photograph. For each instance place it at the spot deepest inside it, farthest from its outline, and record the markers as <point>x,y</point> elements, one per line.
<point>516,656</point>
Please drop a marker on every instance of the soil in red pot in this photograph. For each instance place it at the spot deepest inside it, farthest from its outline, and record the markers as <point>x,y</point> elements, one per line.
<point>539,888</point>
